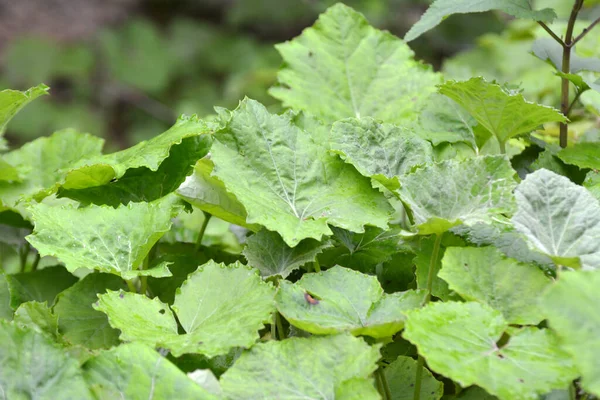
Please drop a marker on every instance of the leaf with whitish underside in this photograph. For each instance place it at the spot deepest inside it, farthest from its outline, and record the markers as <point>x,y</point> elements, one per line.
<point>503,113</point>
<point>450,193</point>
<point>41,285</point>
<point>210,195</point>
<point>78,322</point>
<point>559,219</point>
<point>295,368</point>
<point>267,252</point>
<point>483,274</point>
<point>441,9</point>
<point>547,49</point>
<point>458,340</point>
<point>33,367</point>
<point>343,300</point>
<point>219,308</point>
<point>288,181</point>
<point>135,371</point>
<point>571,306</point>
<point>357,70</point>
<point>379,151</point>
<point>400,376</point>
<point>103,238</point>
<point>584,155</point>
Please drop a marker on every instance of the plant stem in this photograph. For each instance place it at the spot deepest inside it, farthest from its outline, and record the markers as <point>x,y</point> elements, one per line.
<point>36,262</point>
<point>131,286</point>
<point>551,33</point>
<point>207,217</point>
<point>385,391</point>
<point>418,378</point>
<point>502,147</point>
<point>23,253</point>
<point>573,103</point>
<point>317,265</point>
<point>273,325</point>
<point>279,324</point>
<point>566,68</point>
<point>585,32</point>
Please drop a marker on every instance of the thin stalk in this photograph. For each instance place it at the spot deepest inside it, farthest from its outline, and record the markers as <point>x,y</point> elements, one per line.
<point>279,324</point>
<point>386,393</point>
<point>273,325</point>
<point>566,68</point>
<point>23,254</point>
<point>430,276</point>
<point>207,217</point>
<point>36,262</point>
<point>573,103</point>
<point>585,31</point>
<point>551,33</point>
<point>131,286</point>
<point>316,265</point>
<point>502,147</point>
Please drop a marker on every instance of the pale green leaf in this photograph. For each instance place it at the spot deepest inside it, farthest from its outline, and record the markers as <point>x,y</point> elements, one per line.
<point>210,195</point>
<point>460,341</point>
<point>12,101</point>
<point>584,155</point>
<point>441,9</point>
<point>135,371</point>
<point>357,70</point>
<point>101,237</point>
<point>6,311</point>
<point>38,317</point>
<point>592,183</point>
<point>78,322</point>
<point>214,316</point>
<point>33,367</point>
<point>286,178</point>
<point>485,275</point>
<point>356,389</point>
<point>559,219</point>
<point>571,306</point>
<point>547,49</point>
<point>451,193</point>
<point>342,300</point>
<point>295,368</point>
<point>41,285</point>
<point>504,113</point>
<point>267,252</point>
<point>379,151</point>
<point>400,376</point>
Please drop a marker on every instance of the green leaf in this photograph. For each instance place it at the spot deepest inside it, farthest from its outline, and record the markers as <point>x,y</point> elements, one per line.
<point>422,261</point>
<point>342,300</point>
<point>209,194</point>
<point>485,275</point>
<point>451,193</point>
<point>135,371</point>
<point>78,322</point>
<point>6,311</point>
<point>41,285</point>
<point>287,180</point>
<point>38,317</point>
<point>571,305</point>
<point>559,219</point>
<point>504,113</point>
<point>34,368</point>
<point>267,252</point>
<point>547,49</point>
<point>214,317</point>
<point>103,238</point>
<point>295,368</point>
<point>592,183</point>
<point>357,70</point>
<point>584,155</point>
<point>379,151</point>
<point>442,9</point>
<point>461,342</point>
<point>400,376</point>
<point>12,101</point>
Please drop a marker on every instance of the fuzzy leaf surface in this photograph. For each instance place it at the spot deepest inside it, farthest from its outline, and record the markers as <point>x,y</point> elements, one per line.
<point>584,155</point>
<point>314,367</point>
<point>344,301</point>
<point>286,178</point>
<point>357,70</point>
<point>400,375</point>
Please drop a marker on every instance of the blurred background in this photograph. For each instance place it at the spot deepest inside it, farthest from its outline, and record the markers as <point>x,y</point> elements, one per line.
<point>125,69</point>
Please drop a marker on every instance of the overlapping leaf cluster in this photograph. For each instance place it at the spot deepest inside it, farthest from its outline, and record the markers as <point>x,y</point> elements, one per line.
<point>367,243</point>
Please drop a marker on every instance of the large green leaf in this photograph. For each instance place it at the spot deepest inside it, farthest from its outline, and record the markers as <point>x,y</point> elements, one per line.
<point>78,322</point>
<point>342,300</point>
<point>584,155</point>
<point>400,376</point>
<point>42,285</point>
<point>485,275</point>
<point>38,317</point>
<point>296,368</point>
<point>12,101</point>
<point>101,237</point>
<point>571,306</point>
<point>379,151</point>
<point>451,193</point>
<point>219,308</point>
<point>266,251</point>
<point>559,218</point>
<point>286,178</point>
<point>357,70</point>
<point>462,342</point>
<point>210,195</point>
<point>504,113</point>
<point>34,368</point>
<point>135,371</point>
<point>441,9</point>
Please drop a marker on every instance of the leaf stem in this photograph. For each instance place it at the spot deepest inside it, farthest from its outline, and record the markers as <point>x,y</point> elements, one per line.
<point>279,324</point>
<point>131,286</point>
<point>207,217</point>
<point>502,147</point>
<point>385,391</point>
<point>23,254</point>
<point>316,265</point>
<point>418,378</point>
<point>566,68</point>
<point>573,103</point>
<point>551,33</point>
<point>585,31</point>
<point>273,326</point>
<point>36,262</point>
